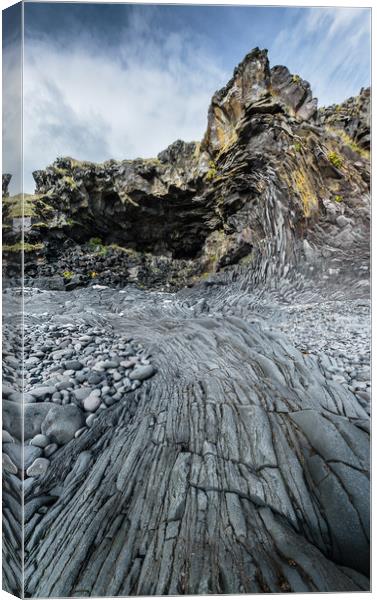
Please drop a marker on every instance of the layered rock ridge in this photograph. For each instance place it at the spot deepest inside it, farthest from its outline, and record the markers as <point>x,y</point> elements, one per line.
<point>200,207</point>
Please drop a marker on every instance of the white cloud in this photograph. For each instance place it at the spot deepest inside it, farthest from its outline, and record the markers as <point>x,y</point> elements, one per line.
<point>12,123</point>
<point>94,105</point>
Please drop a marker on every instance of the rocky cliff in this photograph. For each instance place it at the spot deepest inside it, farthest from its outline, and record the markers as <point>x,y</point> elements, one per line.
<point>197,366</point>
<point>198,208</point>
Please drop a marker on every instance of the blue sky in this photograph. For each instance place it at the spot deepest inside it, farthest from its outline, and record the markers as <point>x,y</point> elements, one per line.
<point>121,81</point>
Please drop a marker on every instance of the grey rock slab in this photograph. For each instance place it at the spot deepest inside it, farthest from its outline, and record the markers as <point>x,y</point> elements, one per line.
<point>325,437</point>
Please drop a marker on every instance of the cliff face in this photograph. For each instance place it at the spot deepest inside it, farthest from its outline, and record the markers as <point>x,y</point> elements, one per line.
<point>267,158</point>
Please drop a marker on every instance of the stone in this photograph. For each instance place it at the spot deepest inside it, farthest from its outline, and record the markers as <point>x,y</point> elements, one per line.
<point>40,440</point>
<point>81,393</point>
<point>79,432</point>
<point>92,402</point>
<point>40,393</point>
<point>62,422</point>
<point>66,384</point>
<point>7,391</point>
<point>8,464</point>
<point>143,372</point>
<point>39,467</point>
<point>74,365</point>
<point>50,449</point>
<point>90,419</point>
<point>94,378</point>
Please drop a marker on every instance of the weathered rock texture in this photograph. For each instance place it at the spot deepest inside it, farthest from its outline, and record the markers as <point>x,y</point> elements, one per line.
<point>200,207</point>
<point>352,116</point>
<point>242,465</point>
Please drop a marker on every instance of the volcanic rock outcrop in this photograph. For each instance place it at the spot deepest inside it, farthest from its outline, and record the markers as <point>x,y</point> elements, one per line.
<point>210,309</point>
<point>200,207</point>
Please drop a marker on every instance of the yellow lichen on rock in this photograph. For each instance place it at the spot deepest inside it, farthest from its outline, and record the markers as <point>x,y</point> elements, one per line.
<point>306,192</point>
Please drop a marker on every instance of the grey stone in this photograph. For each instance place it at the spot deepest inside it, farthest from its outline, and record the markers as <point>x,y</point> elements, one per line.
<point>8,464</point>
<point>50,449</point>
<point>90,419</point>
<point>39,467</point>
<point>143,372</point>
<point>62,422</point>
<point>74,365</point>
<point>40,440</point>
<point>40,393</point>
<point>92,402</point>
<point>81,393</point>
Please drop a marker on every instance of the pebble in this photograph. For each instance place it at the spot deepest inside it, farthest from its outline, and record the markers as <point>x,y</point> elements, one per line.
<point>81,393</point>
<point>143,372</point>
<point>40,440</point>
<point>50,449</point>
<point>66,384</point>
<point>74,365</point>
<point>66,373</point>
<point>39,467</point>
<point>94,378</point>
<point>8,464</point>
<point>40,393</point>
<point>92,402</point>
<point>90,419</point>
<point>30,453</point>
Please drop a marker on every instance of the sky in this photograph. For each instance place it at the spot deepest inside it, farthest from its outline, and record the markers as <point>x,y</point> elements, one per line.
<point>124,81</point>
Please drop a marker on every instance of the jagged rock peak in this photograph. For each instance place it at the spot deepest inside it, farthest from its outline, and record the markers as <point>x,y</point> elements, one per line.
<point>255,84</point>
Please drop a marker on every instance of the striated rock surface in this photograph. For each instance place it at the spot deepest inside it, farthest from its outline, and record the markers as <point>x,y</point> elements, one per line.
<point>208,313</point>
